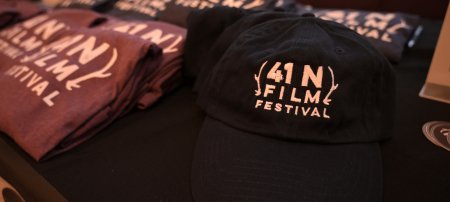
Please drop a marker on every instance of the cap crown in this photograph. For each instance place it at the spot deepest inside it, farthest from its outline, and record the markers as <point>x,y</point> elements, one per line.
<point>305,79</point>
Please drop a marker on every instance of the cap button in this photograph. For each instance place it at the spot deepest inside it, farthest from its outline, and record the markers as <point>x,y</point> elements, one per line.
<point>308,15</point>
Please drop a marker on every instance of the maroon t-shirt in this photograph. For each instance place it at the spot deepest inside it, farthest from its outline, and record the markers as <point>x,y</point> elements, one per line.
<point>16,11</point>
<point>57,95</point>
<point>171,39</point>
<point>32,34</point>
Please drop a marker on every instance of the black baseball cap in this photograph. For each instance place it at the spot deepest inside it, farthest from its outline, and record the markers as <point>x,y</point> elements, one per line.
<point>206,46</point>
<point>295,108</point>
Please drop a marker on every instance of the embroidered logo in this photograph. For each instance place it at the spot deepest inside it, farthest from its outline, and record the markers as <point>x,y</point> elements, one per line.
<point>300,96</point>
<point>438,132</point>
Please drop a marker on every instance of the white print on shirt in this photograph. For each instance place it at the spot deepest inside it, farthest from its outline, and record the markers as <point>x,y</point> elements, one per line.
<point>29,35</point>
<point>60,59</point>
<point>203,4</point>
<point>54,59</point>
<point>169,41</point>
<point>67,3</point>
<point>374,25</point>
<point>152,7</point>
<point>102,73</point>
<point>147,7</point>
<point>34,82</point>
<point>280,87</point>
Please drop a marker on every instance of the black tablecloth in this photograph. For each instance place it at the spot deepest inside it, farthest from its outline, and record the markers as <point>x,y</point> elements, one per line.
<point>146,156</point>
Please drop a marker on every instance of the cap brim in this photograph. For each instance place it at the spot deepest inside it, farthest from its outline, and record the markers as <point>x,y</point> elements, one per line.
<point>232,165</point>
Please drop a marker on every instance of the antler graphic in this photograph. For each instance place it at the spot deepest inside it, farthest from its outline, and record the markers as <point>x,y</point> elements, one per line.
<point>253,4</point>
<point>75,83</point>
<point>396,27</point>
<point>445,131</point>
<point>258,92</point>
<point>326,100</point>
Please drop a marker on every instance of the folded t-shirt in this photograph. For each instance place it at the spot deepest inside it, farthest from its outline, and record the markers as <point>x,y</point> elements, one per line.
<point>176,11</point>
<point>72,85</point>
<point>171,39</point>
<point>387,32</point>
<point>16,41</point>
<point>15,11</point>
<point>140,68</point>
<point>137,10</point>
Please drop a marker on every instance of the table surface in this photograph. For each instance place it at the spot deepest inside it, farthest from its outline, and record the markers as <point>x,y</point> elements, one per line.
<point>146,155</point>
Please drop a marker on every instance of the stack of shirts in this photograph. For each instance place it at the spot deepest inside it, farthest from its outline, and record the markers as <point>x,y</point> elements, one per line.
<point>388,32</point>
<point>171,39</point>
<point>16,11</point>
<point>171,11</point>
<point>64,79</point>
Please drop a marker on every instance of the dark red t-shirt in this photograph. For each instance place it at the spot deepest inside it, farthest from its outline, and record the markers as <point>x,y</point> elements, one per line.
<point>57,95</point>
<point>15,11</point>
<point>171,39</point>
<point>32,34</point>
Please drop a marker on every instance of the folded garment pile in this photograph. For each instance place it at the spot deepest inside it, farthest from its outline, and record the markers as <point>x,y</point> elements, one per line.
<point>172,11</point>
<point>68,73</point>
<point>388,32</point>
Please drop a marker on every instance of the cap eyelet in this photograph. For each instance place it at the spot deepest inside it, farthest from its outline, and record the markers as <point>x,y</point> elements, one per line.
<point>339,51</point>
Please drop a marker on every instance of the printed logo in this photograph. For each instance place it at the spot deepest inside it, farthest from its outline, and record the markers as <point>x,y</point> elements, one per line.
<point>202,4</point>
<point>303,98</point>
<point>153,7</point>
<point>41,66</point>
<point>150,7</point>
<point>67,3</point>
<point>374,25</point>
<point>166,40</point>
<point>438,132</point>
